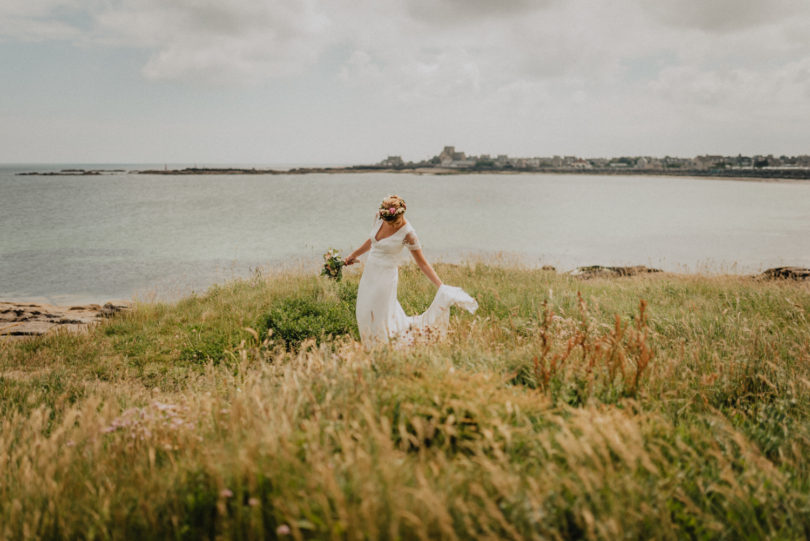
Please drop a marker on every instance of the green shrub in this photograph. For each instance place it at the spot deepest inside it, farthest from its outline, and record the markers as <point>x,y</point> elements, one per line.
<point>205,344</point>
<point>298,318</point>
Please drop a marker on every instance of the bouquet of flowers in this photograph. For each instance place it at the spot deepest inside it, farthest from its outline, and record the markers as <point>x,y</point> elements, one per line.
<point>333,264</point>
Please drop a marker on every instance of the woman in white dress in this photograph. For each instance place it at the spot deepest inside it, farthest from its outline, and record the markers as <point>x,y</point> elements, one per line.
<point>380,317</point>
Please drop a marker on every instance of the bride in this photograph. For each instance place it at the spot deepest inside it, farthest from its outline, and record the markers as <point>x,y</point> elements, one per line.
<point>380,317</point>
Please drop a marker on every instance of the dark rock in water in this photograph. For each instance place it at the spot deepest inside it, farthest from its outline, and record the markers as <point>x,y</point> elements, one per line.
<point>598,271</point>
<point>786,273</point>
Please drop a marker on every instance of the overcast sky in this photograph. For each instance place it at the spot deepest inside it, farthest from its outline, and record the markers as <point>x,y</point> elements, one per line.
<point>352,81</point>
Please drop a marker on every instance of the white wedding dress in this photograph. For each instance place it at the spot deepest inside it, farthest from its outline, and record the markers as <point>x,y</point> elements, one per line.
<point>380,317</point>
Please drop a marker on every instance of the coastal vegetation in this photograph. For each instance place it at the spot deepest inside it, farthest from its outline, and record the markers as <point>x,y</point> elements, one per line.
<point>649,406</point>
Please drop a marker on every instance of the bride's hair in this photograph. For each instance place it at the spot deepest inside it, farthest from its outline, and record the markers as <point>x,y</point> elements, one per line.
<point>392,207</point>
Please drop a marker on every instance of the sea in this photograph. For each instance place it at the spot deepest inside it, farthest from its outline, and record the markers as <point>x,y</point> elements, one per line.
<point>124,235</point>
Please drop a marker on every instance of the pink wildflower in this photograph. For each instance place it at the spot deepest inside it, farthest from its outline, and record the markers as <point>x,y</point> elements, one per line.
<point>283,530</point>
<point>225,493</point>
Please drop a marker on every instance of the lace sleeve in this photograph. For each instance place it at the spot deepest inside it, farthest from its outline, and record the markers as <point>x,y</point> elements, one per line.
<point>411,241</point>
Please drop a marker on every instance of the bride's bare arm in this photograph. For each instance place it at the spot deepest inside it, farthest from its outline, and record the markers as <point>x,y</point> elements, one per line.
<point>352,259</point>
<point>419,257</point>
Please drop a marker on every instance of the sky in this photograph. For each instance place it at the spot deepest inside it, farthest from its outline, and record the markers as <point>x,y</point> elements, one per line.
<point>353,81</point>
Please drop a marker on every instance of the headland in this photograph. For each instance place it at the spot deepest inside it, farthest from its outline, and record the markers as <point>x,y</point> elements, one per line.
<point>452,162</point>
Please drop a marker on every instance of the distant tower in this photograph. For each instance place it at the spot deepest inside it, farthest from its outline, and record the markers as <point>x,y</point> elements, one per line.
<point>447,154</point>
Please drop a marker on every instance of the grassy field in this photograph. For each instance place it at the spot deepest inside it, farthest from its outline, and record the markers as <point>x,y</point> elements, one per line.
<point>660,406</point>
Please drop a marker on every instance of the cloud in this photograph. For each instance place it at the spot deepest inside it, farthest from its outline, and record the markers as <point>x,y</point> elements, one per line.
<point>777,92</point>
<point>38,20</point>
<point>241,40</point>
<point>423,47</point>
<point>418,77</point>
<point>28,29</point>
<point>582,64</point>
<point>34,8</point>
<point>591,65</point>
<point>465,11</point>
<point>723,15</point>
<point>553,42</point>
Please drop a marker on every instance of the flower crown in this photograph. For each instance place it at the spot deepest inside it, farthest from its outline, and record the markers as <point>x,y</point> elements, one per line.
<point>389,213</point>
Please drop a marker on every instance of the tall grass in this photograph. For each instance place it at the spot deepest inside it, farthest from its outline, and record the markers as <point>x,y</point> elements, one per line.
<point>647,407</point>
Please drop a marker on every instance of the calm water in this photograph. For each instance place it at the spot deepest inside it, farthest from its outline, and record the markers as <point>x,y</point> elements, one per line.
<point>91,239</point>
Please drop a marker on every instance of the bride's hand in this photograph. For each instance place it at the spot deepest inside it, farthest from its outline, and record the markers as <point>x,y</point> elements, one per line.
<point>350,260</point>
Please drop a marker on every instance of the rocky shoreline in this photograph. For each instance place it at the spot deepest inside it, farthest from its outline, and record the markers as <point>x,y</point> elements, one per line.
<point>598,271</point>
<point>19,320</point>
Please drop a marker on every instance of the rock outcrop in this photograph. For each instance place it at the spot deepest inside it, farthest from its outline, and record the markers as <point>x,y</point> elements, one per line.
<point>25,319</point>
<point>598,271</point>
<point>786,273</point>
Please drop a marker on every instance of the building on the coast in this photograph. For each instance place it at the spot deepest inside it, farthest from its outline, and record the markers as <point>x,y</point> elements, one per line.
<point>740,162</point>
<point>670,162</point>
<point>708,161</point>
<point>598,163</point>
<point>452,158</point>
<point>517,163</point>
<point>448,151</point>
<point>461,164</point>
<point>449,155</point>
<point>446,155</point>
<point>654,163</point>
<point>581,164</point>
<point>802,161</point>
<point>392,161</point>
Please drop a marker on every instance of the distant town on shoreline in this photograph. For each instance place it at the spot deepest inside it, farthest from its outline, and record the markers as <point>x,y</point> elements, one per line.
<point>451,158</point>
<point>451,161</point>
